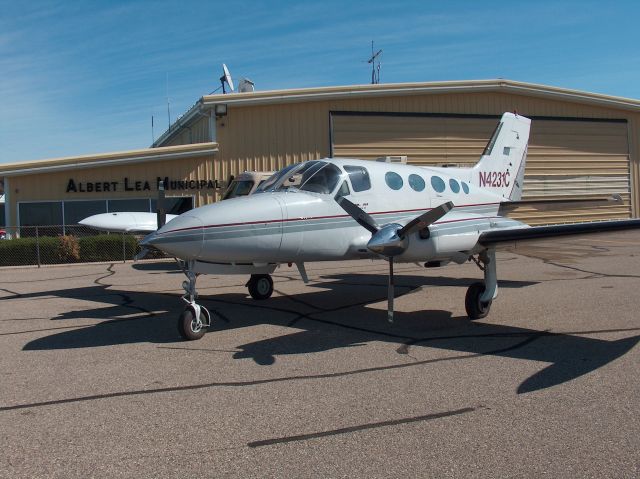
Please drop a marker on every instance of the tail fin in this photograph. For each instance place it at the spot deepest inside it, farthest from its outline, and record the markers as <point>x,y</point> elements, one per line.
<point>501,166</point>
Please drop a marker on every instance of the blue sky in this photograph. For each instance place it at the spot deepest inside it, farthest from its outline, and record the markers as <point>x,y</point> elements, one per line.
<point>80,77</point>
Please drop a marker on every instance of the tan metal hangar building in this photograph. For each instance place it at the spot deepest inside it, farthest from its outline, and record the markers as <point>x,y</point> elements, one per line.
<point>581,145</point>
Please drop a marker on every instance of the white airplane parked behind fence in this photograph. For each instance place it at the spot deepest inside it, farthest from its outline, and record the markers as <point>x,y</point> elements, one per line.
<point>143,222</point>
<point>340,209</point>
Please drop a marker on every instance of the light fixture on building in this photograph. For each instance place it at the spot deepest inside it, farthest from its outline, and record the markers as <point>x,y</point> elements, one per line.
<point>220,109</point>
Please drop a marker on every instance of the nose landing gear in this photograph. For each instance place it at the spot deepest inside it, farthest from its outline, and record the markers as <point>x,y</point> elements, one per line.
<point>195,318</point>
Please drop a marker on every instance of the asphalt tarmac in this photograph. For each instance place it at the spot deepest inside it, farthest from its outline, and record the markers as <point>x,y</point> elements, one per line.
<point>95,381</point>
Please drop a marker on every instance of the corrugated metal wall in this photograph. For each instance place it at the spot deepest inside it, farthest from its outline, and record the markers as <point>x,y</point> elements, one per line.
<point>566,158</point>
<point>198,132</point>
<point>577,159</point>
<point>267,138</point>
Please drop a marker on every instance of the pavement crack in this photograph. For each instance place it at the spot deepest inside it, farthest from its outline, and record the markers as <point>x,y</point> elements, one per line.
<point>111,273</point>
<point>594,274</point>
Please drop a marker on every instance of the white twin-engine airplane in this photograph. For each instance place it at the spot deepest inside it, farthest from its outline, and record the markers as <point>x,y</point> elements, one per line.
<point>337,209</point>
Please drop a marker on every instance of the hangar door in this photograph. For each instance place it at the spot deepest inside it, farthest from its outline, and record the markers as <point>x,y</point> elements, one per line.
<point>568,158</point>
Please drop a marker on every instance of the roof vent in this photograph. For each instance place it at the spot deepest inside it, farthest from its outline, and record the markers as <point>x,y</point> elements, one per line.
<point>246,86</point>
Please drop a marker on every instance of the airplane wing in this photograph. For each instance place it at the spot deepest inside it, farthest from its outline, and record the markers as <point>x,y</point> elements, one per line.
<point>507,237</point>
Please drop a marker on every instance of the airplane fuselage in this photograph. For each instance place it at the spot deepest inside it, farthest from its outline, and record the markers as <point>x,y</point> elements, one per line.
<point>297,225</point>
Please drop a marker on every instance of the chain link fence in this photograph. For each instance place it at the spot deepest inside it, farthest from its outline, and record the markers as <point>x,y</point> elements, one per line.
<point>43,245</point>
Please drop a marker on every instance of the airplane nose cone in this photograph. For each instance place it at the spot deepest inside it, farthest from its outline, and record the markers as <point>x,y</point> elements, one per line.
<point>181,237</point>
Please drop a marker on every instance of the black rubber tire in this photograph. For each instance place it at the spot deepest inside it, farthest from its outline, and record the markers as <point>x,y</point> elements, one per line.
<point>475,308</point>
<point>186,325</point>
<point>260,286</point>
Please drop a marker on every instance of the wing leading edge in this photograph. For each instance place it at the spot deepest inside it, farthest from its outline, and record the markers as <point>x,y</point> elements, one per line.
<point>533,233</point>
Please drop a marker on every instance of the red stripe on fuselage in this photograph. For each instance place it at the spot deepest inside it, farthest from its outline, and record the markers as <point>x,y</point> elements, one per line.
<point>333,216</point>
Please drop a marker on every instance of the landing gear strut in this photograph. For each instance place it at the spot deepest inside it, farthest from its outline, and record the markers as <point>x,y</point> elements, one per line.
<point>480,295</point>
<point>260,286</point>
<point>195,318</point>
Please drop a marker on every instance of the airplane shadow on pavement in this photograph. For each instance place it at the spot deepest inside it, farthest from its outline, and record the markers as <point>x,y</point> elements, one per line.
<point>334,314</point>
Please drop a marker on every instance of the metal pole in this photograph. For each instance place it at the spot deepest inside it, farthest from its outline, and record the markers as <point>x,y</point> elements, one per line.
<point>38,246</point>
<point>124,251</point>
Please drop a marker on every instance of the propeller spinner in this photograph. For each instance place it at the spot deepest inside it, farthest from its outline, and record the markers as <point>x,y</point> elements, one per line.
<point>392,239</point>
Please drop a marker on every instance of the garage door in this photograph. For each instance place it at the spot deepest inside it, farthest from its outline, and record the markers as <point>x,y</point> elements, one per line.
<point>567,158</point>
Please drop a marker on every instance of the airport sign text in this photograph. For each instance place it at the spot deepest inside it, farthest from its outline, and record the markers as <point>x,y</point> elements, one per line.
<point>138,185</point>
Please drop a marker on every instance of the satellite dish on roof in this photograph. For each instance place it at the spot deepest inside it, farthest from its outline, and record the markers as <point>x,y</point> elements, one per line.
<point>246,86</point>
<point>226,78</point>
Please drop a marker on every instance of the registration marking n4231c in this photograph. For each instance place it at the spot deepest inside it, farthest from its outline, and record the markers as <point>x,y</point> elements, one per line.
<point>494,179</point>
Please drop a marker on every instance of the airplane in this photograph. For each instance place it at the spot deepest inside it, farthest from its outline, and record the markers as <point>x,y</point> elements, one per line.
<point>143,222</point>
<point>337,209</point>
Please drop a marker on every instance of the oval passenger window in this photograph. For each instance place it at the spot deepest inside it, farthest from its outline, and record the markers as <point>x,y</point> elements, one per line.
<point>393,180</point>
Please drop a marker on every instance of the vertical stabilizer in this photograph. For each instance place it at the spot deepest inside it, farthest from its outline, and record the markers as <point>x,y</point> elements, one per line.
<point>501,167</point>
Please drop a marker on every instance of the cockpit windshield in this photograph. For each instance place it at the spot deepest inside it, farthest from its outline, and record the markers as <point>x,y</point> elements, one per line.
<point>315,176</point>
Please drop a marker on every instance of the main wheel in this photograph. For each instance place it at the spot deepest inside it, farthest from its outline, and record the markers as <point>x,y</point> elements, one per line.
<point>189,327</point>
<point>260,286</point>
<point>476,309</point>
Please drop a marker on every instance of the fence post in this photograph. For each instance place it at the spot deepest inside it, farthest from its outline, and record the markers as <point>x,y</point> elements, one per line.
<point>38,246</point>
<point>124,250</point>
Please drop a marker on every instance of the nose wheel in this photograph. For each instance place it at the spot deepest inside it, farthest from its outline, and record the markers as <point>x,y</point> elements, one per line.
<point>191,327</point>
<point>195,319</point>
<point>260,286</point>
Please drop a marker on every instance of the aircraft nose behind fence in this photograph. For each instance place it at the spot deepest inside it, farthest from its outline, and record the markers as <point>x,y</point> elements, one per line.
<point>181,237</point>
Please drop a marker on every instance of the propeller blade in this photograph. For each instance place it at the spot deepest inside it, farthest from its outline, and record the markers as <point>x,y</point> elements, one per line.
<point>358,214</point>
<point>390,292</point>
<point>160,211</point>
<point>425,219</point>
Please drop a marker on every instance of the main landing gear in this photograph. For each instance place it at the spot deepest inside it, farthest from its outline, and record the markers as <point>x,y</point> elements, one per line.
<point>195,319</point>
<point>260,286</point>
<point>480,295</point>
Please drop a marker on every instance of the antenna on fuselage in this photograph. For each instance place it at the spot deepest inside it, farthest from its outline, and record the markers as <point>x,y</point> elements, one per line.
<point>375,65</point>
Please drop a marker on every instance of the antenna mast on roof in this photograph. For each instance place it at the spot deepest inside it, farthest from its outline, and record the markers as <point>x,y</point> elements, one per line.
<point>168,108</point>
<point>375,65</point>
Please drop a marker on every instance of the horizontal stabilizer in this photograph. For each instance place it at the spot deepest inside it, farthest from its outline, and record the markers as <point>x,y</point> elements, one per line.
<point>512,235</point>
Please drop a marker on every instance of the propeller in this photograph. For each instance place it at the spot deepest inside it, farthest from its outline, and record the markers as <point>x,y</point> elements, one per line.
<point>391,239</point>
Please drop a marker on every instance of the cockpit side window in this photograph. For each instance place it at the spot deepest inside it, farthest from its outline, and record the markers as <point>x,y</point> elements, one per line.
<point>316,176</point>
<point>322,178</point>
<point>359,177</point>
